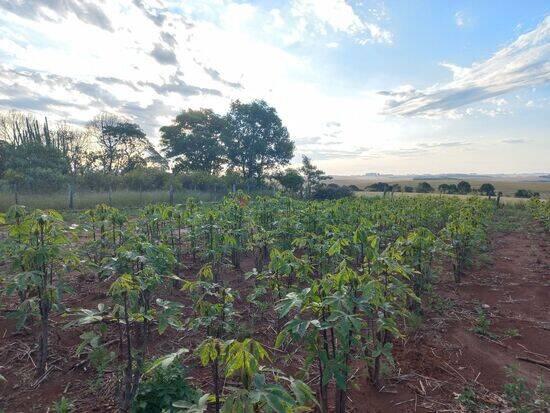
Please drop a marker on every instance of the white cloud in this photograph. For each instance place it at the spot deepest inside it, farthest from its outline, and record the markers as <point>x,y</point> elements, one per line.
<point>338,16</point>
<point>460,19</point>
<point>523,63</point>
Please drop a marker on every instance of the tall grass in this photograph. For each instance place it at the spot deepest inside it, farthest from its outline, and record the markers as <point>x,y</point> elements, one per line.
<point>119,199</point>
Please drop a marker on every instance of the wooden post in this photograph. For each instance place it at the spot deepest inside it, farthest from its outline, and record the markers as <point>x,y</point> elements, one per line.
<point>71,197</point>
<point>15,191</point>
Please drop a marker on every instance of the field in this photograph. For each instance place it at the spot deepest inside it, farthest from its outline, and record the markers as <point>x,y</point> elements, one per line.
<point>503,199</point>
<point>508,187</point>
<point>276,304</point>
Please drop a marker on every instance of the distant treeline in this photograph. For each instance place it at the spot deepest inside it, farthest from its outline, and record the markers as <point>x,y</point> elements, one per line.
<point>463,188</point>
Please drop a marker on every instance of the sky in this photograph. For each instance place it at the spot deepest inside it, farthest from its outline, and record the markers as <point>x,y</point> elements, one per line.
<point>362,86</point>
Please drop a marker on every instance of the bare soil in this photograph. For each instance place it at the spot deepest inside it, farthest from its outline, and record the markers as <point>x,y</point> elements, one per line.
<point>433,364</point>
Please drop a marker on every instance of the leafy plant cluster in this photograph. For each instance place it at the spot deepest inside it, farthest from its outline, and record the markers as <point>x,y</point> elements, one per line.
<point>540,211</point>
<point>334,279</point>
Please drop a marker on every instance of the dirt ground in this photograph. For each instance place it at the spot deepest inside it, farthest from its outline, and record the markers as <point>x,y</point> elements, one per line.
<point>440,357</point>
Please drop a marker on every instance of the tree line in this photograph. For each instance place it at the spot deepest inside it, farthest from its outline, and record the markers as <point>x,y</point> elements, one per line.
<point>462,188</point>
<point>200,148</point>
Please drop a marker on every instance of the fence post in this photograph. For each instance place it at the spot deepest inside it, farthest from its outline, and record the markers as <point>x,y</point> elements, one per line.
<point>171,194</point>
<point>71,197</point>
<point>16,193</point>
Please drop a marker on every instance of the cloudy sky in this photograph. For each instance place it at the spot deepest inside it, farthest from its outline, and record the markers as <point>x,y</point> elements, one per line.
<point>363,86</point>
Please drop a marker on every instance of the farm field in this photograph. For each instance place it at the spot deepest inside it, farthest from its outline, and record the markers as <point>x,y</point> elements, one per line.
<point>507,187</point>
<point>503,199</point>
<point>277,304</point>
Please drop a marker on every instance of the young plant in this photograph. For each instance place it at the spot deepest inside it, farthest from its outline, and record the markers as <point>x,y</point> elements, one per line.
<point>38,249</point>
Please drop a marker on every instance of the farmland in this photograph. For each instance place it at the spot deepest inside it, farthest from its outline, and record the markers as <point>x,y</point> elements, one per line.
<point>277,304</point>
<point>507,185</point>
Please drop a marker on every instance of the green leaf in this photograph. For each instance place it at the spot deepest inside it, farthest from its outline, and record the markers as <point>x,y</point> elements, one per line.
<point>165,361</point>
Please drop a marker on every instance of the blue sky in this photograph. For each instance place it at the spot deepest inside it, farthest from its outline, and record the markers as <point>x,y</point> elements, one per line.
<point>393,87</point>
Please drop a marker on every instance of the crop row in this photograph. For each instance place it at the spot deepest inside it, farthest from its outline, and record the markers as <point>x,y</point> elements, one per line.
<point>340,278</point>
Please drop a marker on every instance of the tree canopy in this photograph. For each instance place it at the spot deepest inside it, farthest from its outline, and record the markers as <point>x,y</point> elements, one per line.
<point>193,141</point>
<point>255,139</point>
<point>487,189</point>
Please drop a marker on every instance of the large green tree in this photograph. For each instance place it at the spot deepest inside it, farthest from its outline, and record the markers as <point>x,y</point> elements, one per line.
<point>31,155</point>
<point>255,139</point>
<point>193,141</point>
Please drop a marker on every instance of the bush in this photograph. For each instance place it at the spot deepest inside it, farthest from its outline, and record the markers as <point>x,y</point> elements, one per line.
<point>379,187</point>
<point>329,192</point>
<point>165,386</point>
<point>526,193</point>
<point>408,188</point>
<point>146,179</point>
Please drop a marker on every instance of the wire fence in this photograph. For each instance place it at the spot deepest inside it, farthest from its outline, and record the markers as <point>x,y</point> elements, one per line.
<point>75,199</point>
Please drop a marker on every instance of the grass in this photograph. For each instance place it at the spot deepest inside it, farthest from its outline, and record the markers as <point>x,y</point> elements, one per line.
<point>119,199</point>
<point>505,200</point>
<point>511,218</point>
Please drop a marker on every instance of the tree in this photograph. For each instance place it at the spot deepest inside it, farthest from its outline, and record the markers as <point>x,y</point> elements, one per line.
<point>255,139</point>
<point>290,180</point>
<point>314,177</point>
<point>379,187</point>
<point>123,146</point>
<point>76,147</point>
<point>448,188</point>
<point>487,189</point>
<point>193,140</point>
<point>464,187</point>
<point>424,187</point>
<point>30,150</point>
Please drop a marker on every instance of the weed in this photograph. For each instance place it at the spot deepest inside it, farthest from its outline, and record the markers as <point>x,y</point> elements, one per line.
<point>482,324</point>
<point>468,399</point>
<point>414,321</point>
<point>164,387</point>
<point>522,398</point>
<point>511,333</point>
<point>64,405</point>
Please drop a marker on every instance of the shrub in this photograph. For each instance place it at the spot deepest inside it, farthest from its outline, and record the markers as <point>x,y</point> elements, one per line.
<point>526,193</point>
<point>378,187</point>
<point>328,192</point>
<point>408,188</point>
<point>162,388</point>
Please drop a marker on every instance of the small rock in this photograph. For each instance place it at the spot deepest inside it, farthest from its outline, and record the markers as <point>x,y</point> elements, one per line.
<point>485,306</point>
